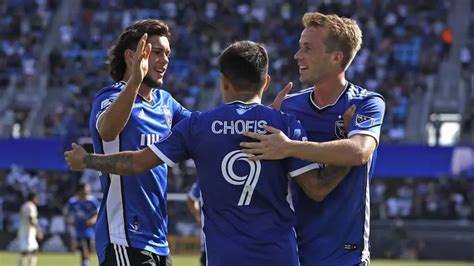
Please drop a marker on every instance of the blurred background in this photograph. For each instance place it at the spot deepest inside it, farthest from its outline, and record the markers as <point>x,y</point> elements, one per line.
<point>417,54</point>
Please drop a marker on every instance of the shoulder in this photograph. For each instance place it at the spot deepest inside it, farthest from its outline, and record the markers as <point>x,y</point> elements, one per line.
<point>72,200</point>
<point>110,89</point>
<point>91,198</point>
<point>115,87</point>
<point>302,94</point>
<point>357,93</point>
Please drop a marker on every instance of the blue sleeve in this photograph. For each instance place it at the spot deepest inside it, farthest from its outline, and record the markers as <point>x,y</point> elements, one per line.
<point>174,147</point>
<point>294,166</point>
<point>102,102</point>
<point>179,112</point>
<point>368,118</point>
<point>195,192</point>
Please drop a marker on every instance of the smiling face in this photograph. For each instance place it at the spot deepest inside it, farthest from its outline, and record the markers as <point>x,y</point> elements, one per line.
<point>158,60</point>
<point>313,61</point>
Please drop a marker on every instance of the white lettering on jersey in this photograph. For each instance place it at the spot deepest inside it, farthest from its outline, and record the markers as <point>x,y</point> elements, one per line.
<point>250,180</point>
<point>148,139</point>
<point>238,126</point>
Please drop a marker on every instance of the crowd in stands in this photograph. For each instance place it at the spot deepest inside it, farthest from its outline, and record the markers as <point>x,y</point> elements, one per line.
<point>23,24</point>
<point>465,56</point>
<point>399,58</point>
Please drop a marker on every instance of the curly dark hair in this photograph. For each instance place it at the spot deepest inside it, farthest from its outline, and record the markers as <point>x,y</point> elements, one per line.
<point>129,40</point>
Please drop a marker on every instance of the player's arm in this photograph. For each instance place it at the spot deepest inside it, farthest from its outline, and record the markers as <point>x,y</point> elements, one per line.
<point>194,208</point>
<point>345,152</point>
<point>318,183</point>
<point>128,163</point>
<point>114,119</point>
<point>91,221</point>
<point>354,151</point>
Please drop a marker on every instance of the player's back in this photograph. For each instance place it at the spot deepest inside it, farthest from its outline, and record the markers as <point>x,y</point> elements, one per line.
<point>247,216</point>
<point>335,231</point>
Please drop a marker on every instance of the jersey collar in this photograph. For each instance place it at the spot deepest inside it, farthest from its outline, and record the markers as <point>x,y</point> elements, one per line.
<point>328,105</point>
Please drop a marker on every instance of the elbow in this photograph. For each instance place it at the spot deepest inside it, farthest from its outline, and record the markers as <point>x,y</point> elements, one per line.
<point>107,135</point>
<point>360,158</point>
<point>318,195</point>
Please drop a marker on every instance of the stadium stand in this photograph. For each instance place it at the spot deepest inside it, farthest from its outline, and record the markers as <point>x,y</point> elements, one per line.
<point>52,56</point>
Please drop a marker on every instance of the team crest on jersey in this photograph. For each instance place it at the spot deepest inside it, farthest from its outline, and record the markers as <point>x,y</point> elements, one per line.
<point>364,121</point>
<point>339,129</point>
<point>167,113</point>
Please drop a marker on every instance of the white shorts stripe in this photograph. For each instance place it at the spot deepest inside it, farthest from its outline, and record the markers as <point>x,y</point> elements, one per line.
<point>125,256</point>
<point>114,202</point>
<point>116,254</point>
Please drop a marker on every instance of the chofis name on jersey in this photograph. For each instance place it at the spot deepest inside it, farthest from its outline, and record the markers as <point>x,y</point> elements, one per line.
<point>238,126</point>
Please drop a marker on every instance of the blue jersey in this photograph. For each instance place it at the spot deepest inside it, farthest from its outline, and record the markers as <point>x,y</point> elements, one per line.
<point>336,231</point>
<point>133,210</point>
<point>247,213</point>
<point>79,211</point>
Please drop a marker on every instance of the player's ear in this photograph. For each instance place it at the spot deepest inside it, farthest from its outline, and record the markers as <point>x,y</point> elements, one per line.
<point>268,80</point>
<point>224,82</point>
<point>128,56</point>
<point>337,57</point>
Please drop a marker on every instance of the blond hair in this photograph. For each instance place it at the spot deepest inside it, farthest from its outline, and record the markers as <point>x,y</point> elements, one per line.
<point>343,34</point>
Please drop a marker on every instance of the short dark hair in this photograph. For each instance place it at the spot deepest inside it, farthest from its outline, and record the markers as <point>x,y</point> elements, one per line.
<point>129,40</point>
<point>31,196</point>
<point>245,65</point>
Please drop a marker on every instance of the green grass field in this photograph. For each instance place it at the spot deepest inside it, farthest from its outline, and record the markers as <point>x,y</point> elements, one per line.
<point>68,259</point>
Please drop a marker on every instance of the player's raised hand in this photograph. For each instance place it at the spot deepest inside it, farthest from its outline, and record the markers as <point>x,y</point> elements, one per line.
<point>140,59</point>
<point>347,117</point>
<point>269,147</point>
<point>75,157</point>
<point>281,96</point>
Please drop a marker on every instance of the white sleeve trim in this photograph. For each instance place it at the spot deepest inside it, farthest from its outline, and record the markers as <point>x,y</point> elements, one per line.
<point>98,118</point>
<point>304,169</point>
<point>365,132</point>
<point>162,156</point>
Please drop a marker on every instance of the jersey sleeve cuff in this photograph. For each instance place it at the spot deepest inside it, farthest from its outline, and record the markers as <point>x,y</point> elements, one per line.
<point>98,118</point>
<point>162,156</point>
<point>304,169</point>
<point>365,132</point>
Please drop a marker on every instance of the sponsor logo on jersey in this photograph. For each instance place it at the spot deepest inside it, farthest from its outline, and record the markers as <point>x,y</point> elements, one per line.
<point>364,121</point>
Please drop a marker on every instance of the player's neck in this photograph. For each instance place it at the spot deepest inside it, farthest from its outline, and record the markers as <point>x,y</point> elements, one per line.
<point>145,92</point>
<point>243,97</point>
<point>328,91</point>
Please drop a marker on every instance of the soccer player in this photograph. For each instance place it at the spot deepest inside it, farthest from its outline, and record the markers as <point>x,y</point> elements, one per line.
<point>126,116</point>
<point>29,232</point>
<point>194,206</point>
<point>336,230</point>
<point>246,205</point>
<point>81,211</point>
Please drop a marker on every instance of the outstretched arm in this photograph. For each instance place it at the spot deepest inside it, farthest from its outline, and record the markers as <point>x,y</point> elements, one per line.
<point>127,163</point>
<point>317,184</point>
<point>113,120</point>
<point>344,152</point>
